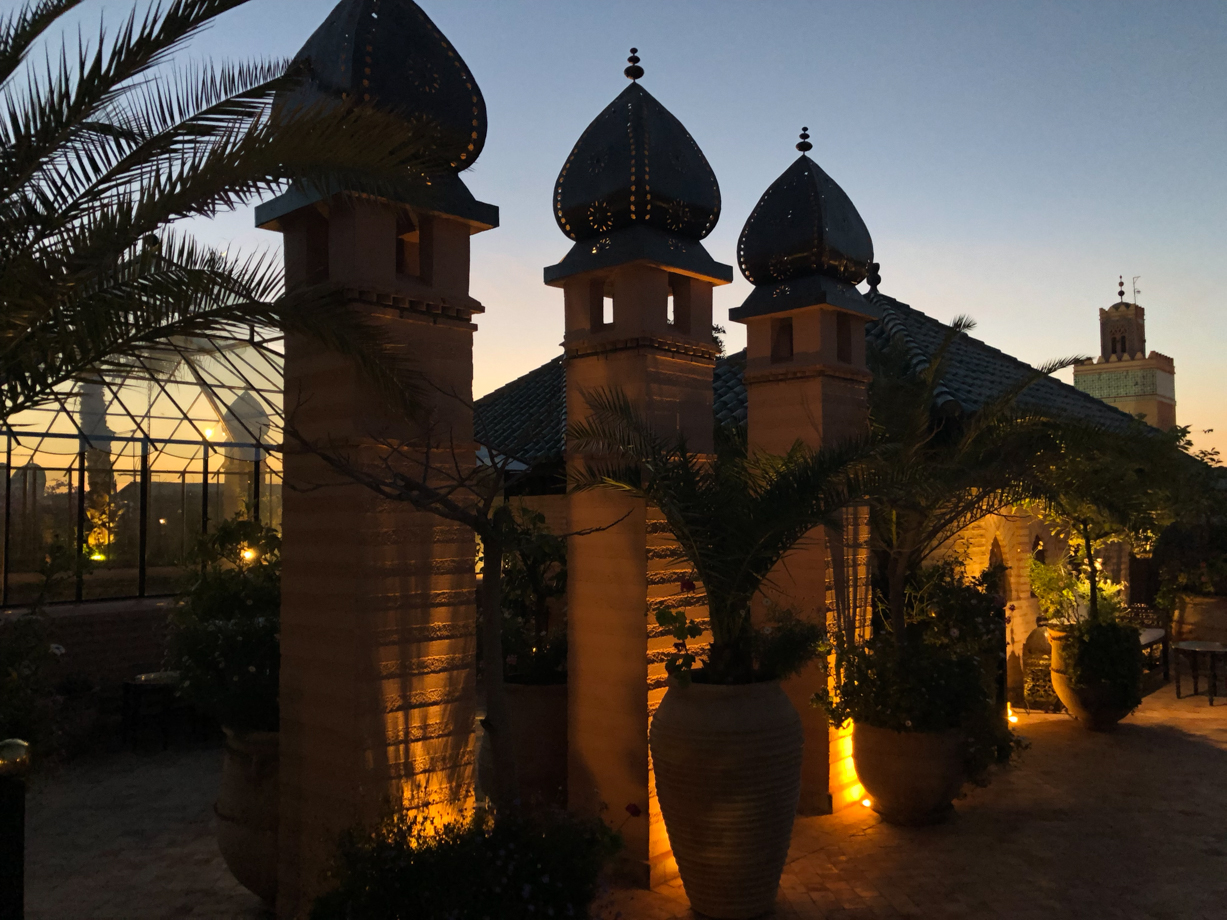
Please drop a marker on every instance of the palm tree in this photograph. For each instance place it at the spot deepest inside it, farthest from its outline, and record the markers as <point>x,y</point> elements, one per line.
<point>949,469</point>
<point>734,515</point>
<point>102,149</point>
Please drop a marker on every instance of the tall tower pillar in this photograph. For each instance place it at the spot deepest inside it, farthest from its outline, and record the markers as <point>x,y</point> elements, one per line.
<point>805,247</point>
<point>637,195</point>
<point>378,617</point>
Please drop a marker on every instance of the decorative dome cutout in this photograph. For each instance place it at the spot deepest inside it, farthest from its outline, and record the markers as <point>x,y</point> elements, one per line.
<point>636,164</point>
<point>390,53</point>
<point>803,225</point>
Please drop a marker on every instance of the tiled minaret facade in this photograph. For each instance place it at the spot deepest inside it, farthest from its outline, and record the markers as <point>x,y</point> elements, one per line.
<point>637,195</point>
<point>1125,375</point>
<point>805,247</point>
<point>378,613</point>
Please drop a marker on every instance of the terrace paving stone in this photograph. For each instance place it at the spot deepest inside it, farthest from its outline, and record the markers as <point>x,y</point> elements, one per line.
<point>1129,825</point>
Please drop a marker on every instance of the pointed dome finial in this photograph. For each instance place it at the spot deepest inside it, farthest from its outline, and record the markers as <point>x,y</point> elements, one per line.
<point>875,276</point>
<point>1122,288</point>
<point>804,145</point>
<point>634,71</point>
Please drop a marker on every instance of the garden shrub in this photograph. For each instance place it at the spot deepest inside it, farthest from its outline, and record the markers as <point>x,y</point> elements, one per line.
<point>225,635</point>
<point>509,867</point>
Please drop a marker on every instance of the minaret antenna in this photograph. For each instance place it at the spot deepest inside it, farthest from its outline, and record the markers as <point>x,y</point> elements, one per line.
<point>1136,289</point>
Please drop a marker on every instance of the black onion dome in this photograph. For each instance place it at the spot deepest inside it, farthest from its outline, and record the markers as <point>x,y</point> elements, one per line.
<point>636,164</point>
<point>804,225</point>
<point>390,53</point>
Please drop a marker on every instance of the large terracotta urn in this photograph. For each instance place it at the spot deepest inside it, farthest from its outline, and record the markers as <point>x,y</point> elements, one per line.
<point>1097,706</point>
<point>538,719</point>
<point>911,778</point>
<point>728,775</point>
<point>246,811</point>
<point>1200,618</point>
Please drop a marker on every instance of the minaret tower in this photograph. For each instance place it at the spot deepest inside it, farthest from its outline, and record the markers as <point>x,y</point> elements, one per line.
<point>378,619</point>
<point>805,248</point>
<point>637,196</point>
<point>1124,375</point>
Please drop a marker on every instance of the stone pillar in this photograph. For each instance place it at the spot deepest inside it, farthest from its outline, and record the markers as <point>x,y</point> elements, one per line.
<point>378,601</point>
<point>616,674</point>
<point>806,380</point>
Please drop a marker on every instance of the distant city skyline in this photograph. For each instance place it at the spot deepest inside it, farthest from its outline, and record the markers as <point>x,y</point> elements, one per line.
<point>1010,160</point>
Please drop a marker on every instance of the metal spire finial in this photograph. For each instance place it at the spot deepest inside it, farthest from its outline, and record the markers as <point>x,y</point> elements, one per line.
<point>634,71</point>
<point>1122,288</point>
<point>804,145</point>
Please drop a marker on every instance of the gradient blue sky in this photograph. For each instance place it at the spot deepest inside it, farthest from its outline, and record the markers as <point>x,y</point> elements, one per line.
<point>1010,159</point>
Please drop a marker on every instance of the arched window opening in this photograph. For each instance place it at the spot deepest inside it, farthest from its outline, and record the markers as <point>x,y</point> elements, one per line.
<point>1000,571</point>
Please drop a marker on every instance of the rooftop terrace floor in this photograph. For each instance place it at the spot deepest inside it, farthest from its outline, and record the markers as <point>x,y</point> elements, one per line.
<point>1131,824</point>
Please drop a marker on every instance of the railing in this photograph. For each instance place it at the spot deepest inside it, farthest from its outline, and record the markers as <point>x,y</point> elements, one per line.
<point>126,512</point>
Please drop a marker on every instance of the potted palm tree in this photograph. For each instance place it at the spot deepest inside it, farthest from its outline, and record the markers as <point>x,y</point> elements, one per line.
<point>917,703</point>
<point>725,740</point>
<point>225,644</point>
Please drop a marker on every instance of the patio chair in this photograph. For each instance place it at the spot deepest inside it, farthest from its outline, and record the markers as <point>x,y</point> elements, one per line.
<point>1155,629</point>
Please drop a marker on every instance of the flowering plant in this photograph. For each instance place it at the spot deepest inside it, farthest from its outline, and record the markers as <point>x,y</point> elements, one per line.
<point>225,633</point>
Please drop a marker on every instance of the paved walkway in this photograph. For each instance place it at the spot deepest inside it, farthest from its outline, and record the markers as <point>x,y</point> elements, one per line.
<point>130,837</point>
<point>1131,824</point>
<point>1127,825</point>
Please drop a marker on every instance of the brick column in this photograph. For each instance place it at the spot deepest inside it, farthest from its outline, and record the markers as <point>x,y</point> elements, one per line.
<point>616,675</point>
<point>378,613</point>
<point>806,380</point>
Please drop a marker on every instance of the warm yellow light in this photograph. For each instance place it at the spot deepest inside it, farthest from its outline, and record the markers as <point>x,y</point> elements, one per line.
<point>161,520</point>
<point>1009,712</point>
<point>98,557</point>
<point>867,802</point>
<point>208,432</point>
<point>249,554</point>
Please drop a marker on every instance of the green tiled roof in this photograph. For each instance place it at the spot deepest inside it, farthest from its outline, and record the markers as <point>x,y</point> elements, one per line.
<point>527,418</point>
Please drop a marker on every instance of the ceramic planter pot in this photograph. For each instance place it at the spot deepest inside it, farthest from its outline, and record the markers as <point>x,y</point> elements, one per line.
<point>728,775</point>
<point>538,717</point>
<point>1097,706</point>
<point>247,809</point>
<point>911,777</point>
<point>1200,619</point>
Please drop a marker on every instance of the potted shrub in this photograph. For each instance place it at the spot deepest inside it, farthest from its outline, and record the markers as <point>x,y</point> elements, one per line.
<point>1192,563</point>
<point>225,644</point>
<point>923,705</point>
<point>725,741</point>
<point>535,658</point>
<point>1097,661</point>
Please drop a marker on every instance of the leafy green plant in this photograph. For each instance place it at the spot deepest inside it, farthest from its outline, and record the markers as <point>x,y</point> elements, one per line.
<point>1064,593</point>
<point>939,676</point>
<point>27,656</point>
<point>225,634</point>
<point>1192,559</point>
<point>509,866</point>
<point>781,648</point>
<point>734,515</point>
<point>534,582</point>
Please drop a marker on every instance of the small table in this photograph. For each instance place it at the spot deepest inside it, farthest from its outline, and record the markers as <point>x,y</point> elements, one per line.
<point>1190,650</point>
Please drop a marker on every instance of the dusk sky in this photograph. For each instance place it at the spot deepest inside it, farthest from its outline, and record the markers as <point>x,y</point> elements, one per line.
<point>1010,159</point>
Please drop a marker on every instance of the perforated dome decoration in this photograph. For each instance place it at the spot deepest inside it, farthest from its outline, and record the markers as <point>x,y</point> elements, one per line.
<point>636,164</point>
<point>803,225</point>
<point>389,52</point>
